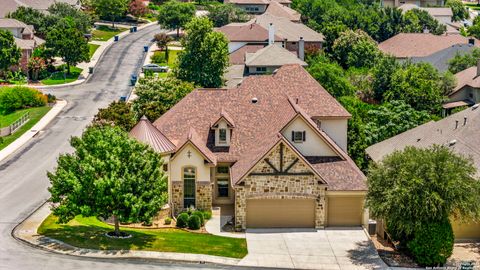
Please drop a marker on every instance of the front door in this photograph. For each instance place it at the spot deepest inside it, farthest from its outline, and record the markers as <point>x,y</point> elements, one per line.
<point>189,187</point>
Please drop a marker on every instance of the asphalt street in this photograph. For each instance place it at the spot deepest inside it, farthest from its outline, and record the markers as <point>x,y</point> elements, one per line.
<point>23,181</point>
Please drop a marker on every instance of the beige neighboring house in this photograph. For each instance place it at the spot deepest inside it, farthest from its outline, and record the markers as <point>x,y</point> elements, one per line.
<point>269,59</point>
<point>420,3</point>
<point>460,132</point>
<point>8,6</point>
<point>257,6</point>
<point>248,33</point>
<point>280,10</point>
<point>271,151</point>
<point>24,38</point>
<point>467,91</point>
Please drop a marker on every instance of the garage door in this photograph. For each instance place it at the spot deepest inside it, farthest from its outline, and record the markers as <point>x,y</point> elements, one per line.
<point>280,213</point>
<point>345,211</point>
<point>466,231</point>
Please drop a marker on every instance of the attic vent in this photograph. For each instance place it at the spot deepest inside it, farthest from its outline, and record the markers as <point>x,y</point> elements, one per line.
<point>254,100</point>
<point>452,142</point>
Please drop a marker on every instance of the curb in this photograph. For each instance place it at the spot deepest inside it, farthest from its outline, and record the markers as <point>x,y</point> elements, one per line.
<point>29,237</point>
<point>41,124</point>
<point>107,45</point>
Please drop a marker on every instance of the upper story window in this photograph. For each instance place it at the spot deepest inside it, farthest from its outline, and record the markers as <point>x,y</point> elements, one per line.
<point>261,69</point>
<point>222,135</point>
<point>298,136</point>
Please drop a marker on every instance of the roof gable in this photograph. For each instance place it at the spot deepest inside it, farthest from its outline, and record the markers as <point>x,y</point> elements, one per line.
<point>272,55</point>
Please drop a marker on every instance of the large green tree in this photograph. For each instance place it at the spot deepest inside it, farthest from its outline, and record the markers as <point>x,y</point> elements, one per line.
<point>108,175</point>
<point>9,52</point>
<point>417,20</point>
<point>355,49</point>
<point>67,42</point>
<point>224,14</point>
<point>155,96</point>
<point>463,61</point>
<point>205,55</point>
<point>458,9</point>
<point>175,15</point>
<point>110,9</point>
<point>30,16</point>
<point>415,188</point>
<point>82,21</point>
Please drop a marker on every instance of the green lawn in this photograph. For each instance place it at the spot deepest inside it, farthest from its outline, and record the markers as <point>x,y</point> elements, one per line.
<point>172,57</point>
<point>104,32</point>
<point>92,48</point>
<point>35,115</point>
<point>90,233</point>
<point>473,6</point>
<point>58,77</point>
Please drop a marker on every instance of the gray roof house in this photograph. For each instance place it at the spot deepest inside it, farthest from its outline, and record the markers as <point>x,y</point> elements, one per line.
<point>8,6</point>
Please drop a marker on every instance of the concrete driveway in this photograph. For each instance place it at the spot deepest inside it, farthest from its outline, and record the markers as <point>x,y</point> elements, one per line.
<point>311,249</point>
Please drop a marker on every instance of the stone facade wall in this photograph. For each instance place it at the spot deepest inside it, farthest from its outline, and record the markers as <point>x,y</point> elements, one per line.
<point>280,186</point>
<point>203,196</point>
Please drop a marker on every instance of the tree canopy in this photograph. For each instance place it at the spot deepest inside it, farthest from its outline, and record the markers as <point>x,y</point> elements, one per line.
<point>459,11</point>
<point>205,55</point>
<point>175,14</point>
<point>108,175</point>
<point>110,9</point>
<point>463,61</point>
<point>222,15</point>
<point>67,42</point>
<point>415,187</point>
<point>82,21</point>
<point>157,95</point>
<point>118,113</point>
<point>9,52</point>
<point>355,49</point>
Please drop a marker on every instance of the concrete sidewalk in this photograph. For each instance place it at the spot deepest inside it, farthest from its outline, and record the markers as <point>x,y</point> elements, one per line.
<point>27,233</point>
<point>46,119</point>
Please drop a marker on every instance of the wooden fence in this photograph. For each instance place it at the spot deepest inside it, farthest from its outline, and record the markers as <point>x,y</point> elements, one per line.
<point>15,125</point>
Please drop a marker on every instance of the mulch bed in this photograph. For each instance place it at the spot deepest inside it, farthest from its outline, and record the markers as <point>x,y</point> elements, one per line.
<point>391,256</point>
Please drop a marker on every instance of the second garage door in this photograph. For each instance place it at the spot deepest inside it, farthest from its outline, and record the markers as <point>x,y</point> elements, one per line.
<point>280,213</point>
<point>345,211</point>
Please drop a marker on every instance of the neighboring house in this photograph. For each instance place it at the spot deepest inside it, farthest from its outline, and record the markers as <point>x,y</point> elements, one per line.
<point>257,6</point>
<point>442,14</point>
<point>7,6</point>
<point>242,34</point>
<point>273,150</point>
<point>281,10</point>
<point>420,3</point>
<point>24,38</point>
<point>269,59</point>
<point>467,91</point>
<point>425,47</point>
<point>459,132</point>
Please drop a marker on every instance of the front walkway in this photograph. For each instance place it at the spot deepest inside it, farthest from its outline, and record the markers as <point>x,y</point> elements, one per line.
<point>340,248</point>
<point>220,216</point>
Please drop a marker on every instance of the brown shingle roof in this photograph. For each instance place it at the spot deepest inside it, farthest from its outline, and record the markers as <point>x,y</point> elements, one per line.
<point>286,29</point>
<point>277,9</point>
<point>466,77</point>
<point>463,140</point>
<point>249,32</point>
<point>146,133</point>
<point>406,45</point>
<point>257,125</point>
<point>238,57</point>
<point>272,55</point>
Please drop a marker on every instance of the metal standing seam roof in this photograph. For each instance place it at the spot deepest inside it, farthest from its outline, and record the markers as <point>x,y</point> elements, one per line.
<point>146,133</point>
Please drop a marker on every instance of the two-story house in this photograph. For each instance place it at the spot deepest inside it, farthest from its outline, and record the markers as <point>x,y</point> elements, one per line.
<point>273,149</point>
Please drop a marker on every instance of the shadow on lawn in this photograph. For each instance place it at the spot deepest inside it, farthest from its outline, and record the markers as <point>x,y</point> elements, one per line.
<point>93,237</point>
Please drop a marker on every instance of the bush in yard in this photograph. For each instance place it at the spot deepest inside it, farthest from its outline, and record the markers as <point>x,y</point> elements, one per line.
<point>20,97</point>
<point>194,222</point>
<point>182,220</point>
<point>200,215</point>
<point>158,58</point>
<point>168,221</point>
<point>118,113</point>
<point>162,40</point>
<point>432,244</point>
<point>207,214</point>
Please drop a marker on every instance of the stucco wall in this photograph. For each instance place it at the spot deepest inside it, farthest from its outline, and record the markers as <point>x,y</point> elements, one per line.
<point>279,187</point>
<point>313,145</point>
<point>182,160</point>
<point>335,129</point>
<point>233,46</point>
<point>270,70</point>
<point>222,124</point>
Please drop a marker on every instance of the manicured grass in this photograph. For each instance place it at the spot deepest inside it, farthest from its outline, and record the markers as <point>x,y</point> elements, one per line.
<point>92,48</point>
<point>172,57</point>
<point>7,120</point>
<point>89,232</point>
<point>104,32</point>
<point>58,77</point>
<point>35,115</point>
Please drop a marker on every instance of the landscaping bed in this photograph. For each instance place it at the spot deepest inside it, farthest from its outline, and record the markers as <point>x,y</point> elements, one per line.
<point>104,32</point>
<point>89,232</point>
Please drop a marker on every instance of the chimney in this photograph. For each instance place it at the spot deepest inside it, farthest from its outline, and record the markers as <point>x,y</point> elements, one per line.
<point>271,34</point>
<point>285,43</point>
<point>478,67</point>
<point>471,41</point>
<point>301,49</point>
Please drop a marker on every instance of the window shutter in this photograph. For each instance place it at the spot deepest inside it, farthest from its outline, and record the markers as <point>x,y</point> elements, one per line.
<point>293,135</point>
<point>304,136</point>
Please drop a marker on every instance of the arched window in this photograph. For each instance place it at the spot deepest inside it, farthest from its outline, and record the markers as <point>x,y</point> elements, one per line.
<point>189,176</point>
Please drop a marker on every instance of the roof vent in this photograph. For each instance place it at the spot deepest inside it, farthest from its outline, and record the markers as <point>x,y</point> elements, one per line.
<point>254,100</point>
<point>471,41</point>
<point>452,142</point>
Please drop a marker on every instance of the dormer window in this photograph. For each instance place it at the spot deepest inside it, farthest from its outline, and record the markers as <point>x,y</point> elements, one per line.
<point>298,136</point>
<point>222,135</point>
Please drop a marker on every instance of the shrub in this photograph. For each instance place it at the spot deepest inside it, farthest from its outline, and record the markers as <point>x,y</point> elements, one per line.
<point>158,58</point>
<point>207,214</point>
<point>20,97</point>
<point>182,220</point>
<point>432,244</point>
<point>168,221</point>
<point>194,222</point>
<point>200,215</point>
